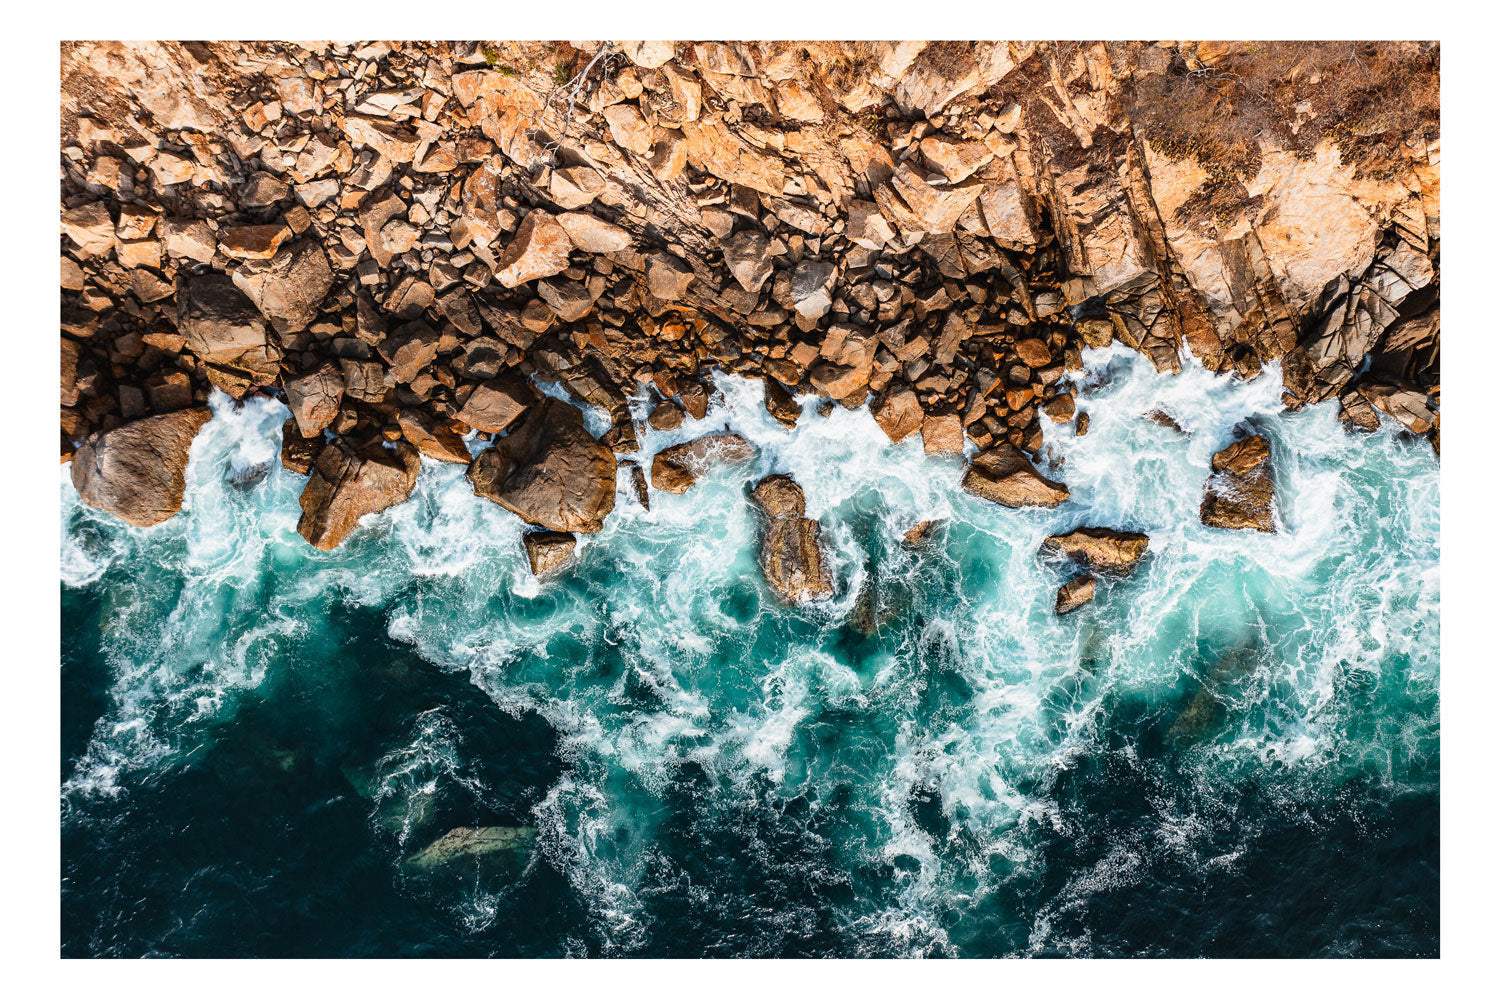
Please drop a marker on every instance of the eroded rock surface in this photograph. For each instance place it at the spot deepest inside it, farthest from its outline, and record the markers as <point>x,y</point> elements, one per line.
<point>791,552</point>
<point>346,483</point>
<point>675,469</point>
<point>1100,548</point>
<point>1240,492</point>
<point>549,471</point>
<point>1006,476</point>
<point>137,472</point>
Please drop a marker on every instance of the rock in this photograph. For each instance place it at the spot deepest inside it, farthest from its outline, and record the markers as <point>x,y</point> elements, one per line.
<point>917,205</point>
<point>943,433</point>
<point>593,235</point>
<point>569,299</point>
<point>253,242</point>
<point>1074,594</point>
<point>297,452</point>
<point>667,277</point>
<point>289,287</point>
<point>1033,352</point>
<point>1407,406</point>
<point>495,405</point>
<point>548,551</point>
<point>471,844</point>
<point>898,413</point>
<point>1100,548</point>
<point>1161,418</point>
<point>677,468</point>
<point>1356,413</point>
<point>574,187</point>
<point>1059,408</point>
<point>1004,475</point>
<point>920,533</point>
<point>694,398</point>
<point>549,471</point>
<point>812,282</point>
<point>90,229</point>
<point>781,404</point>
<point>314,398</point>
<point>432,436</point>
<point>791,553</point>
<point>748,256</point>
<point>1240,493</point>
<point>137,472</point>
<point>638,484</point>
<point>347,483</point>
<point>225,329</point>
<point>540,250</point>
<point>666,416</point>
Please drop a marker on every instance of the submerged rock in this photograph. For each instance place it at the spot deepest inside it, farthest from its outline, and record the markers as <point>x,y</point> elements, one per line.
<point>791,553</point>
<point>675,469</point>
<point>1100,548</point>
<point>549,471</point>
<point>548,551</point>
<point>471,843</point>
<point>1239,493</point>
<point>1074,594</point>
<point>1004,475</point>
<point>138,472</point>
<point>346,484</point>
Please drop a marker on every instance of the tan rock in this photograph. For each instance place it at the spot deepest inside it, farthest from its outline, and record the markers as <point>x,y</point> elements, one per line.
<point>942,433</point>
<point>314,398</point>
<point>593,235</point>
<point>1100,548</point>
<point>1004,475</point>
<point>496,404</point>
<point>548,551</point>
<point>539,250</point>
<point>791,551</point>
<point>1240,492</point>
<point>137,472</point>
<point>1074,594</point>
<point>898,413</point>
<point>549,471</point>
<point>347,483</point>
<point>432,437</point>
<point>677,468</point>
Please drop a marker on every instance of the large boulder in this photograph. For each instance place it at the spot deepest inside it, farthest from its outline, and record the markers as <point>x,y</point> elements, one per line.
<point>289,287</point>
<point>1240,493</point>
<point>227,332</point>
<point>347,482</point>
<point>314,398</point>
<point>676,468</point>
<point>540,250</point>
<point>548,551</point>
<point>791,551</point>
<point>495,405</point>
<point>1004,475</point>
<point>1100,548</point>
<point>549,471</point>
<point>432,436</point>
<point>898,412</point>
<point>137,472</point>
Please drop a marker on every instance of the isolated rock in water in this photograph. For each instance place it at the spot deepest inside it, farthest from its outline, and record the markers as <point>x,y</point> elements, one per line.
<point>466,843</point>
<point>1006,476</point>
<point>791,552</point>
<point>314,398</point>
<point>676,468</point>
<point>548,551</point>
<point>1074,594</point>
<point>346,484</point>
<point>297,452</point>
<point>432,436</point>
<point>225,330</point>
<point>921,533</point>
<point>549,471</point>
<point>137,472</point>
<point>1239,493</point>
<point>781,404</point>
<point>1101,549</point>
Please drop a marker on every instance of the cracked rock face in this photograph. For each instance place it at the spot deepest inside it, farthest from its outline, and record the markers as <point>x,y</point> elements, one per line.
<point>549,471</point>
<point>347,483</point>
<point>791,550</point>
<point>1240,492</point>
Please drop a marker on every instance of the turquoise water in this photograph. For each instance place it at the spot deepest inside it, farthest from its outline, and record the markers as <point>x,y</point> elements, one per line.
<point>1233,751</point>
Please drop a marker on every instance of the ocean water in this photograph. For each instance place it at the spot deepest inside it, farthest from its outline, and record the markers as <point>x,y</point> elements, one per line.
<point>1233,752</point>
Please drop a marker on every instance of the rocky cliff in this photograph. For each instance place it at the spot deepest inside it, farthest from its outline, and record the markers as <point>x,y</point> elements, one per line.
<point>397,236</point>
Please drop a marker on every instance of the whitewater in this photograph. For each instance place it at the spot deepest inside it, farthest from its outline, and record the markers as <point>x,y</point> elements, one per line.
<point>1238,745</point>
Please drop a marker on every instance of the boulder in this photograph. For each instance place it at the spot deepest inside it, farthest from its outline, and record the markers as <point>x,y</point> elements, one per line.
<point>471,844</point>
<point>227,332</point>
<point>548,551</point>
<point>898,413</point>
<point>432,436</point>
<point>781,404</point>
<point>496,404</point>
<point>942,433</point>
<point>666,416</point>
<point>314,398</point>
<point>667,277</point>
<point>1100,548</point>
<point>748,255</point>
<point>791,552</point>
<point>539,250</point>
<point>593,235</point>
<point>346,483</point>
<point>676,468</point>
<point>137,471</point>
<point>1239,494</point>
<point>1074,594</point>
<point>1004,475</point>
<point>549,471</point>
<point>288,288</point>
<point>921,533</point>
<point>812,288</point>
<point>297,452</point>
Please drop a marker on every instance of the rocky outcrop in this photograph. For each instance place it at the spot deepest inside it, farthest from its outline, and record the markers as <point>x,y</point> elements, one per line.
<point>347,483</point>
<point>137,472</point>
<point>470,845</point>
<point>1100,548</point>
<point>1004,475</point>
<point>1074,594</point>
<point>549,471</point>
<point>1240,492</point>
<point>675,469</point>
<point>548,551</point>
<point>224,330</point>
<point>791,552</point>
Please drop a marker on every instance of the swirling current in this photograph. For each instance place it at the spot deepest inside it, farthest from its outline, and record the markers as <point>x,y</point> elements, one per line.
<point>1232,752</point>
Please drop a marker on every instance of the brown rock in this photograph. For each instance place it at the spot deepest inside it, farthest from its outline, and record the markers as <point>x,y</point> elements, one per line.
<point>1099,548</point>
<point>314,398</point>
<point>496,404</point>
<point>676,468</point>
<point>549,471</point>
<point>1239,494</point>
<point>1004,475</point>
<point>539,250</point>
<point>432,436</point>
<point>548,551</point>
<point>224,328</point>
<point>593,235</point>
<point>748,255</point>
<point>1033,352</point>
<point>781,404</point>
<point>1074,594</point>
<point>253,242</point>
<point>297,452</point>
<point>920,533</point>
<point>791,551</point>
<point>942,433</point>
<point>346,483</point>
<point>289,287</point>
<point>137,472</point>
<point>666,416</point>
<point>667,277</point>
<point>898,413</point>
